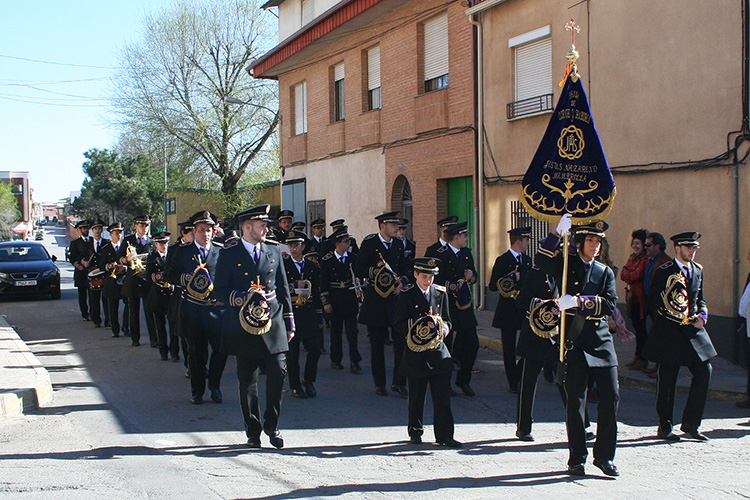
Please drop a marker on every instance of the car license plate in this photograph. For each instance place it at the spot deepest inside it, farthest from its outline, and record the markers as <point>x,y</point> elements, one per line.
<point>26,283</point>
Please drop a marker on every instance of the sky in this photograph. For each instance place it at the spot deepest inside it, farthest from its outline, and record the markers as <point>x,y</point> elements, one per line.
<point>56,58</point>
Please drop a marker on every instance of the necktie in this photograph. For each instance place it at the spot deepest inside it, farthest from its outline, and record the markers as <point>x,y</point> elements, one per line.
<point>686,272</point>
<point>341,259</point>
<point>300,265</point>
<point>203,252</point>
<point>427,295</point>
<point>520,260</point>
<point>256,257</point>
<point>587,265</point>
<point>96,247</point>
<point>117,248</point>
<point>387,245</point>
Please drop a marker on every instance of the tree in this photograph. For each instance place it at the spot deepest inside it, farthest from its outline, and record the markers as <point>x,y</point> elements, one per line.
<point>177,78</point>
<point>9,213</point>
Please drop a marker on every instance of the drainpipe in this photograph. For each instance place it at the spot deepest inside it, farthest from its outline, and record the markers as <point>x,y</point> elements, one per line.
<point>479,171</point>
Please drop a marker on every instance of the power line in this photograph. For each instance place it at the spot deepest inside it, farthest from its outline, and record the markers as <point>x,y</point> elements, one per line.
<point>29,101</point>
<point>56,63</point>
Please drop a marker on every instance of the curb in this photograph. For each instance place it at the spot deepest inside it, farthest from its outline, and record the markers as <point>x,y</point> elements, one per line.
<point>18,401</point>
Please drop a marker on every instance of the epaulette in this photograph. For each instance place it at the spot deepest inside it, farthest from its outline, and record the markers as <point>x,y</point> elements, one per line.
<point>286,256</point>
<point>369,236</point>
<point>442,249</point>
<point>439,288</point>
<point>186,243</point>
<point>407,287</point>
<point>219,244</point>
<point>327,256</point>
<point>667,265</point>
<point>231,244</point>
<point>697,265</point>
<point>271,242</point>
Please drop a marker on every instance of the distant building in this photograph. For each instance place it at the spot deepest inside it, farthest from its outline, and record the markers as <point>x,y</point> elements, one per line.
<point>20,183</point>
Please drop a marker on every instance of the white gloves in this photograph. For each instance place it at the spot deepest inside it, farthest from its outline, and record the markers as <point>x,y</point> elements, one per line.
<point>567,302</point>
<point>564,225</point>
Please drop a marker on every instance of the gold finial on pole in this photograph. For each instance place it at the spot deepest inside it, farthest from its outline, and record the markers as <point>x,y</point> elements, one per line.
<point>572,55</point>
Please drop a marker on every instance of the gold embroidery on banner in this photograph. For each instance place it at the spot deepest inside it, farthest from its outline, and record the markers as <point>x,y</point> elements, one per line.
<point>570,145</point>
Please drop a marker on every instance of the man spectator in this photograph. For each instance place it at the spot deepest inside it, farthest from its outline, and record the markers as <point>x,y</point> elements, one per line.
<point>744,311</point>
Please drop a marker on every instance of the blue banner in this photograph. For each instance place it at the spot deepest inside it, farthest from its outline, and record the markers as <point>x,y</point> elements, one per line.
<point>569,172</point>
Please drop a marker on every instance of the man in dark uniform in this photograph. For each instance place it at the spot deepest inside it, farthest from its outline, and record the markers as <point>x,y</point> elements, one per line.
<point>193,270</point>
<point>304,284</point>
<point>115,275</point>
<point>441,242</point>
<point>299,227</point>
<point>318,236</point>
<point>97,303</point>
<point>679,338</point>
<point>457,274</point>
<point>80,255</point>
<point>328,244</point>
<point>135,287</point>
<point>590,353</point>
<point>159,296</point>
<point>423,320</point>
<point>410,248</point>
<point>283,225</point>
<point>340,301</point>
<point>381,261</point>
<point>186,238</point>
<point>507,278</point>
<point>242,270</point>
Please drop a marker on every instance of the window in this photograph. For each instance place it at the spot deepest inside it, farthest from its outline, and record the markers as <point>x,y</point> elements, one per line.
<point>373,78</point>
<point>435,60</point>
<point>307,11</point>
<point>316,209</point>
<point>299,100</point>
<point>533,73</point>
<point>171,206</point>
<point>339,93</point>
<point>293,198</point>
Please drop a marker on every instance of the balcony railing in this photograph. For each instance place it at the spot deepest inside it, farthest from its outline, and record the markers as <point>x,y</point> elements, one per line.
<point>530,106</point>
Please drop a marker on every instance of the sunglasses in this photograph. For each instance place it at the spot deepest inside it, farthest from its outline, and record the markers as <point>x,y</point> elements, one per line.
<point>647,245</point>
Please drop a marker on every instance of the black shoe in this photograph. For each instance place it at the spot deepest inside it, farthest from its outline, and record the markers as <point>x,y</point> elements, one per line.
<point>400,390</point>
<point>253,442</point>
<point>176,359</point>
<point>576,470</point>
<point>524,437</point>
<point>693,432</point>
<point>466,389</point>
<point>310,389</point>
<point>450,443</point>
<point>380,391</point>
<point>196,400</point>
<point>86,318</point>
<point>106,324</point>
<point>275,438</point>
<point>337,366</point>
<point>607,466</point>
<point>97,325</point>
<point>135,343</point>
<point>299,393</point>
<point>164,357</point>
<point>667,434</point>
<point>154,345</point>
<point>355,368</point>
<point>415,440</point>
<point>590,436</point>
<point>216,396</point>
<point>115,335</point>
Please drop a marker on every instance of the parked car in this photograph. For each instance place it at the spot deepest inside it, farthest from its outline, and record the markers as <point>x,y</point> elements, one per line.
<point>39,235</point>
<point>27,268</point>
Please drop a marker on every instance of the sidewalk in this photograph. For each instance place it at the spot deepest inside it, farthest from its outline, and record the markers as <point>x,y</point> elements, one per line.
<point>728,381</point>
<point>24,382</point>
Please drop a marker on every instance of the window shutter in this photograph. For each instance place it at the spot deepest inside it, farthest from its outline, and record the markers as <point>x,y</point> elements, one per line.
<point>307,11</point>
<point>338,72</point>
<point>300,108</point>
<point>534,69</point>
<point>373,68</point>
<point>436,47</point>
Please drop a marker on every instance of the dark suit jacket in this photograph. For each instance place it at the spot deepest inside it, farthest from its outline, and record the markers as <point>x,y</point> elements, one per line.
<point>156,268</point>
<point>432,249</point>
<point>452,267</point>
<point>669,342</point>
<point>113,286</point>
<point>329,245</point>
<point>235,272</point>
<point>378,311</point>
<point>80,250</point>
<point>317,246</point>
<point>308,316</point>
<point>594,339</point>
<point>335,280</point>
<point>506,314</point>
<point>411,304</point>
<point>536,286</point>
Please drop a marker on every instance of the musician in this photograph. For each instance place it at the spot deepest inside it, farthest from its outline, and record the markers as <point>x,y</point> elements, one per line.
<point>507,278</point>
<point>590,353</point>
<point>135,287</point>
<point>426,359</point>
<point>457,274</point>
<point>340,301</point>
<point>304,285</point>
<point>328,244</point>
<point>97,302</point>
<point>115,275</point>
<point>410,248</point>
<point>159,296</point>
<point>258,323</point>
<point>441,242</point>
<point>381,261</point>
<point>318,236</point>
<point>192,269</point>
<point>283,225</point>
<point>185,238</point>
<point>80,255</point>
<point>679,337</point>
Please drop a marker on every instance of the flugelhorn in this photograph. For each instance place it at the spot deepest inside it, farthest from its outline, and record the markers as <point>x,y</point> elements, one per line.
<point>135,261</point>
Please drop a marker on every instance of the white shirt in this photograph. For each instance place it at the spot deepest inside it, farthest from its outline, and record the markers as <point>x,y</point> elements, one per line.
<point>426,293</point>
<point>455,250</point>
<point>251,249</point>
<point>97,245</point>
<point>515,254</point>
<point>386,244</point>
<point>442,242</point>
<point>207,249</point>
<point>339,257</point>
<point>683,265</point>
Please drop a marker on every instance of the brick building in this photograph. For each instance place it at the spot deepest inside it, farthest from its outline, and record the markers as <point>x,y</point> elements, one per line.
<point>377,105</point>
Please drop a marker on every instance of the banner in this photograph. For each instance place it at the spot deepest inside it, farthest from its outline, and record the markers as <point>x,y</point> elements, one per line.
<point>569,172</point>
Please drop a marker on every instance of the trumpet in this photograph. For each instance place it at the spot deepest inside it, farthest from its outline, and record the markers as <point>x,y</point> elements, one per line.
<point>357,285</point>
<point>135,261</point>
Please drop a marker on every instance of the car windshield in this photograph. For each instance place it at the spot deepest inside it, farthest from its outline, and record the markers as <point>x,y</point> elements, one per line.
<point>22,253</point>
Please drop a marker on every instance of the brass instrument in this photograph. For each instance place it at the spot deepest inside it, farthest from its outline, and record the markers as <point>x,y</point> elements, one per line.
<point>135,260</point>
<point>357,285</point>
<point>302,292</point>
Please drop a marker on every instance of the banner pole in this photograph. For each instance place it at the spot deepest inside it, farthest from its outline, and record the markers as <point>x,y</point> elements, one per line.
<point>563,291</point>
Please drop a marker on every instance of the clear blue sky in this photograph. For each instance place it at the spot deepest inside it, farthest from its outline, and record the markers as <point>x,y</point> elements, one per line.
<point>45,124</point>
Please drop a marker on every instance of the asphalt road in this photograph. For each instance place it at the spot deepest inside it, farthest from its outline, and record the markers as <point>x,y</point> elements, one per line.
<point>121,426</point>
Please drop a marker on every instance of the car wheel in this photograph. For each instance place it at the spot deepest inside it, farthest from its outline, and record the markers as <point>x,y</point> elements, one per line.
<point>55,293</point>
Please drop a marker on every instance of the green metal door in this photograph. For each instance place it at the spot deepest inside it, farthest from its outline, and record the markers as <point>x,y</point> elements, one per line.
<point>461,200</point>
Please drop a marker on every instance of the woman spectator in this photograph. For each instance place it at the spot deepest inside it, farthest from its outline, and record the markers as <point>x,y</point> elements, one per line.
<point>633,274</point>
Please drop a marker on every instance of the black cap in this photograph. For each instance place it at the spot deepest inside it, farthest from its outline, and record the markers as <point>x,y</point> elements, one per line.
<point>429,265</point>
<point>254,213</point>
<point>318,223</point>
<point>337,223</point>
<point>595,228</point>
<point>521,231</point>
<point>402,223</point>
<point>295,237</point>
<point>447,221</point>
<point>688,239</point>
<point>457,228</point>
<point>83,224</point>
<point>97,223</point>
<point>161,236</point>
<point>285,214</point>
<point>299,226</point>
<point>204,217</point>
<point>186,225</point>
<point>142,219</point>
<point>116,226</point>
<point>387,217</point>
<point>340,234</point>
